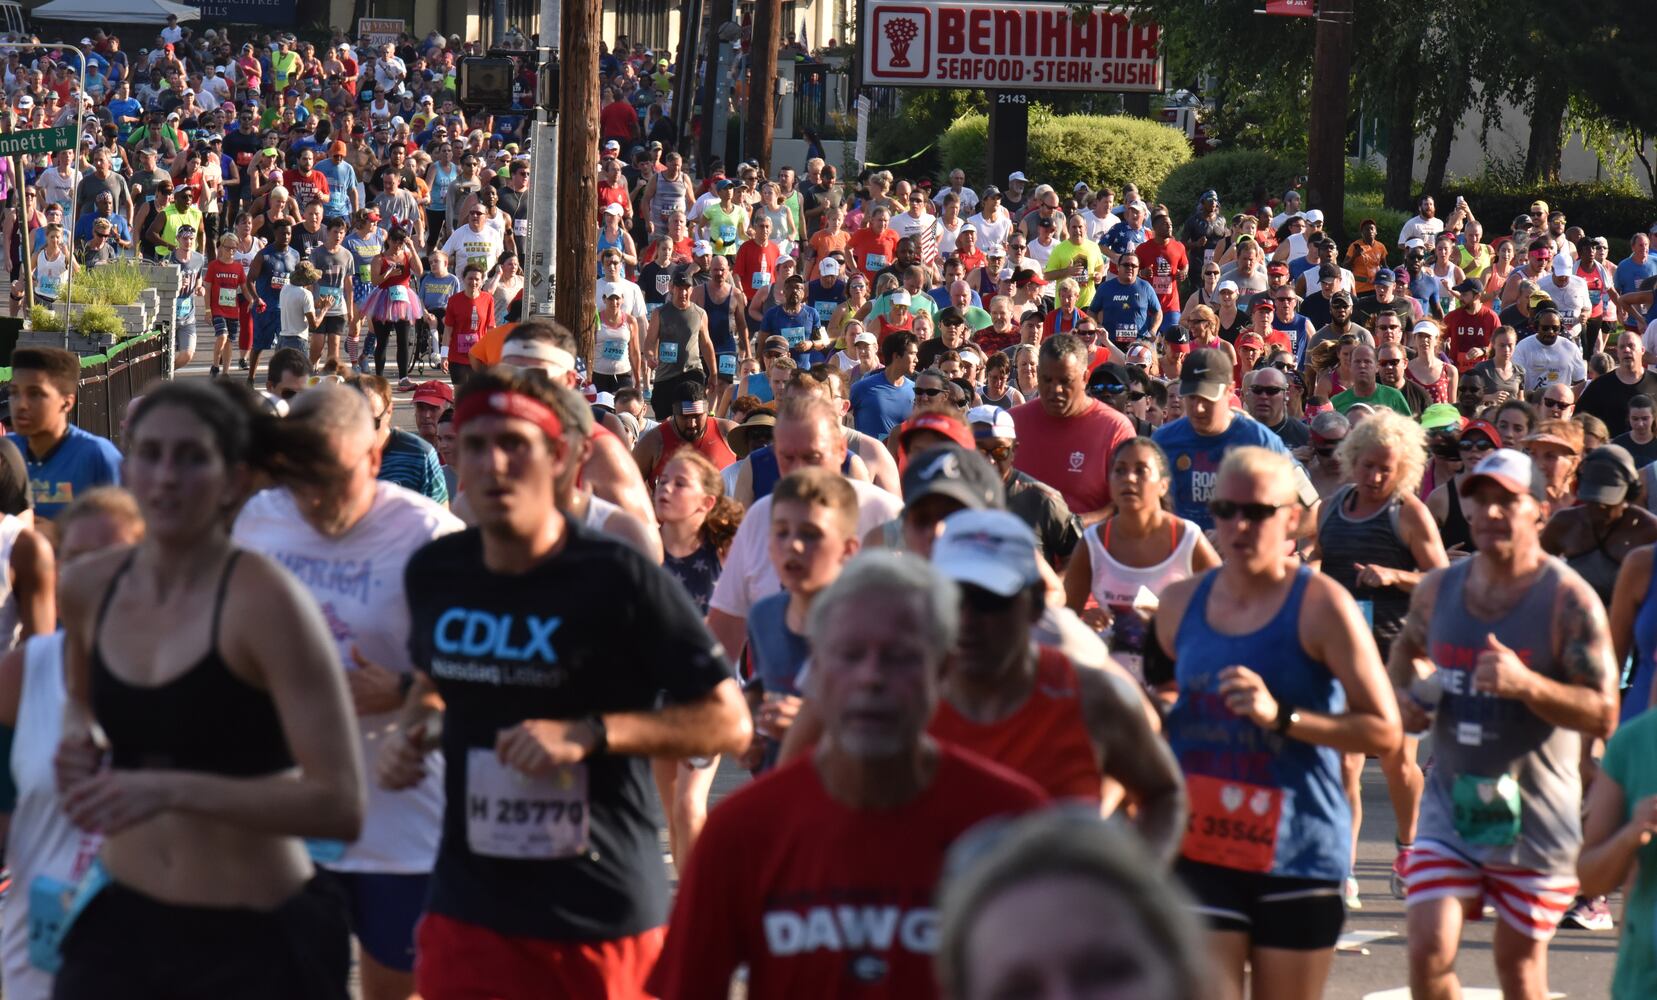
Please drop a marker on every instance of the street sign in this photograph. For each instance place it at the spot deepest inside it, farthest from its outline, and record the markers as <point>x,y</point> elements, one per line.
<point>38,140</point>
<point>380,30</point>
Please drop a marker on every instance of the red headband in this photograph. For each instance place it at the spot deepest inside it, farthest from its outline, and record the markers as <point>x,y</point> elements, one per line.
<point>509,404</point>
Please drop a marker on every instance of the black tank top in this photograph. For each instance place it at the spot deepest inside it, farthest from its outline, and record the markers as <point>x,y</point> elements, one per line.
<point>205,719</point>
<point>1455,529</point>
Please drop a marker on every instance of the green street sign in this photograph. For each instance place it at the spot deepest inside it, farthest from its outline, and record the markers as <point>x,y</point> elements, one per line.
<point>40,140</point>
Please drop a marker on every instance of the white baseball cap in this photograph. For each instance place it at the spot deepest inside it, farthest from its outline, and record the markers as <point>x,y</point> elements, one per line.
<point>1226,286</point>
<point>701,248</point>
<point>1512,470</point>
<point>1015,176</point>
<point>865,338</point>
<point>829,266</point>
<point>613,209</point>
<point>992,422</point>
<point>991,549</point>
<point>1313,215</point>
<point>1562,265</point>
<point>898,298</point>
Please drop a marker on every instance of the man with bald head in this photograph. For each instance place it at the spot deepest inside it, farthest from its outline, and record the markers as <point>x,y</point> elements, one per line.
<point>1365,388</point>
<point>1266,394</point>
<point>348,541</point>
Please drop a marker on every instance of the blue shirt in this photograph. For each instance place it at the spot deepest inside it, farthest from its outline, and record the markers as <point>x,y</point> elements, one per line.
<point>127,108</point>
<point>1629,274</point>
<point>1196,459</point>
<point>83,229</point>
<point>411,463</point>
<point>80,462</point>
<point>796,328</point>
<point>757,385</point>
<point>435,291</point>
<point>1125,310</point>
<point>1124,238</point>
<point>342,180</point>
<point>878,405</point>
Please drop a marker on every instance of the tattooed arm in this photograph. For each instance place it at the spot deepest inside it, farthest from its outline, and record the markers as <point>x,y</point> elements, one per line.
<point>1587,698</point>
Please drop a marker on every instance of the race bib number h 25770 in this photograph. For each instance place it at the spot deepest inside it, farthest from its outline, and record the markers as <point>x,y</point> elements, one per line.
<point>510,814</point>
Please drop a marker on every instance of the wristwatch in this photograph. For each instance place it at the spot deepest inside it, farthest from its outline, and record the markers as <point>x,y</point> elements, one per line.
<point>1286,717</point>
<point>601,735</point>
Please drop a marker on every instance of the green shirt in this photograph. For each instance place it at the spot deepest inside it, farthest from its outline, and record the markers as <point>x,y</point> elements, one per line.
<point>920,302</point>
<point>1385,395</point>
<point>1631,761</point>
<point>977,319</point>
<point>725,229</point>
<point>1065,253</point>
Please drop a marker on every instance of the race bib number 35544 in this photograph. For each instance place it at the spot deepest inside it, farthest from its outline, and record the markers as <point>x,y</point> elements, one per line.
<point>1233,824</point>
<point>514,815</point>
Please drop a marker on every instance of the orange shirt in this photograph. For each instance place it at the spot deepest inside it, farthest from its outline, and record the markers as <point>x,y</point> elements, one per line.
<point>1365,261</point>
<point>824,243</point>
<point>872,252</point>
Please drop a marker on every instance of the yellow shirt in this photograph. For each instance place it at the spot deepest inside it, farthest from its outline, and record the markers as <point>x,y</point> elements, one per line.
<point>1065,253</point>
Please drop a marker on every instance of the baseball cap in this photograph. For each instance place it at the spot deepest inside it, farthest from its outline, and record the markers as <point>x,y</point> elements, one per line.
<point>434,393</point>
<point>681,278</point>
<point>1314,215</point>
<point>612,209</point>
<point>1605,475</point>
<point>992,422</point>
<point>865,338</point>
<point>1511,470</point>
<point>1248,338</point>
<point>1484,427</point>
<point>612,144</point>
<point>1468,285</point>
<point>1016,175</point>
<point>1384,276</point>
<point>953,470</point>
<point>1562,266</point>
<point>991,549</point>
<point>1260,300</point>
<point>1205,373</point>
<point>937,423</point>
<point>990,192</point>
<point>701,248</point>
<point>1140,354</point>
<point>1440,415</point>
<point>1029,276</point>
<point>1341,296</point>
<point>1226,286</point>
<point>25,102</point>
<point>995,250</point>
<point>1600,241</point>
<point>829,266</point>
<point>1278,265</point>
<point>1209,195</point>
<point>1109,377</point>
<point>898,298</point>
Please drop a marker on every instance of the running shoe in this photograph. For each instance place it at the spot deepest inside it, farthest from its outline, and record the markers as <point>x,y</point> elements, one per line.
<point>241,363</point>
<point>1349,895</point>
<point>1399,864</point>
<point>213,372</point>
<point>1590,914</point>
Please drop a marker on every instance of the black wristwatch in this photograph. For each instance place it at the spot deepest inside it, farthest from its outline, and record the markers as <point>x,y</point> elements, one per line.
<point>1286,717</point>
<point>601,735</point>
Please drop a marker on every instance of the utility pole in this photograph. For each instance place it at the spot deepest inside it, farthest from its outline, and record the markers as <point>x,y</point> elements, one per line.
<point>762,82</point>
<point>543,165</point>
<point>1326,134</point>
<point>576,256</point>
<point>684,76</point>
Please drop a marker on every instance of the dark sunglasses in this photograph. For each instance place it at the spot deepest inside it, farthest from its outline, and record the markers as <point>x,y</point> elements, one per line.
<point>1476,444</point>
<point>1267,390</point>
<point>1556,404</point>
<point>1284,366</point>
<point>1225,510</point>
<point>929,393</point>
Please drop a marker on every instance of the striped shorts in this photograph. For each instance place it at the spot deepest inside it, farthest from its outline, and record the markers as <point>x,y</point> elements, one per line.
<point>1530,902</point>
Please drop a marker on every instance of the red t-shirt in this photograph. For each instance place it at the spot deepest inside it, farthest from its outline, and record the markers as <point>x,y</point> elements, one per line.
<point>820,900</point>
<point>618,120</point>
<point>614,194</point>
<point>467,318</point>
<point>224,283</point>
<point>755,265</point>
<point>872,252</point>
<point>971,261</point>
<point>1160,263</point>
<point>305,187</point>
<point>1469,330</point>
<point>1070,454</point>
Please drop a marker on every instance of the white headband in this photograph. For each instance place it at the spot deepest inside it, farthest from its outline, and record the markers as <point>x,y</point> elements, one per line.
<point>556,359</point>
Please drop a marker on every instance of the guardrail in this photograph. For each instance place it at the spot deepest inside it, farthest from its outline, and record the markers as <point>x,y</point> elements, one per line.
<point>108,383</point>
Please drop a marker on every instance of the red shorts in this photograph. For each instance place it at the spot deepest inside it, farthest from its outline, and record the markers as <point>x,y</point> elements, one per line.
<point>455,960</point>
<point>1530,902</point>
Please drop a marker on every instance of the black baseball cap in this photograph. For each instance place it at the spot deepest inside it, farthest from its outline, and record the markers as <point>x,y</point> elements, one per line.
<point>961,474</point>
<point>1205,373</point>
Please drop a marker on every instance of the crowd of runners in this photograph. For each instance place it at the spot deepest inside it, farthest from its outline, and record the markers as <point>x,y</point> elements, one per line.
<point>1054,559</point>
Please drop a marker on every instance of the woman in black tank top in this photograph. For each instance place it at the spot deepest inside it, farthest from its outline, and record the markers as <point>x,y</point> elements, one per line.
<point>229,732</point>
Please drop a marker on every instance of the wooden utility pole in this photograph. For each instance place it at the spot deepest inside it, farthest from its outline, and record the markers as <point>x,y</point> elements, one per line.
<point>577,247</point>
<point>762,81</point>
<point>1326,135</point>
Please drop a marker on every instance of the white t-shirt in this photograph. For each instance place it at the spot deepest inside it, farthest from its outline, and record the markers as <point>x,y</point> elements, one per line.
<point>906,225</point>
<point>632,299</point>
<point>1559,362</point>
<point>992,232</point>
<point>1573,300</point>
<point>969,199</point>
<point>1039,251</point>
<point>474,247</point>
<point>295,303</point>
<point>749,575</point>
<point>1425,230</point>
<point>357,579</point>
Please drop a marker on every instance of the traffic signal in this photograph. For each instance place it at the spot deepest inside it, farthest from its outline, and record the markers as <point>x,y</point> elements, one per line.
<point>485,82</point>
<point>546,87</point>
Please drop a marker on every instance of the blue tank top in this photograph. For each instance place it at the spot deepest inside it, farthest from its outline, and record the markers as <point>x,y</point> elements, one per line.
<point>1239,777</point>
<point>1638,695</point>
<point>273,274</point>
<point>440,185</point>
<point>719,322</point>
<point>762,470</point>
<point>604,244</point>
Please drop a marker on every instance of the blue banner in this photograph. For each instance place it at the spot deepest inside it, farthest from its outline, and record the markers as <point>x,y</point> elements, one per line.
<point>277,13</point>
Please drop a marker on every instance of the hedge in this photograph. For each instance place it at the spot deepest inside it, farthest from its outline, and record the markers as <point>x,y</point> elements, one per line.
<point>1099,150</point>
<point>1236,174</point>
<point>1600,209</point>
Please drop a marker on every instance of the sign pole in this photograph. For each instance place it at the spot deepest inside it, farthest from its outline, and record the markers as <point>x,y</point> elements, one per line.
<point>25,239</point>
<point>1009,134</point>
<point>543,207</point>
<point>73,217</point>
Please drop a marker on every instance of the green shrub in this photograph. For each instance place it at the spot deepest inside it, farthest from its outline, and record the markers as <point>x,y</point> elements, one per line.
<point>45,320</point>
<point>1364,204</point>
<point>1236,174</point>
<point>1099,150</point>
<point>100,320</point>
<point>118,284</point>
<point>1601,209</point>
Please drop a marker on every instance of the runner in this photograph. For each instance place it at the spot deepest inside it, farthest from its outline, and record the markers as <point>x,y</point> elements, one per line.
<point>1263,648</point>
<point>216,769</point>
<point>575,901</point>
<point>266,277</point>
<point>63,460</point>
<point>778,857</point>
<point>1501,816</point>
<point>1377,540</point>
<point>348,543</point>
<point>689,426</point>
<point>677,347</point>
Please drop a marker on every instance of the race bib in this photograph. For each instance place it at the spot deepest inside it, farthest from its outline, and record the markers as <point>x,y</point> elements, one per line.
<point>278,280</point>
<point>650,307</point>
<point>49,284</point>
<point>727,365</point>
<point>520,227</point>
<point>727,233</point>
<point>874,262</point>
<point>514,815</point>
<point>761,279</point>
<point>668,352</point>
<point>397,293</point>
<point>615,350</point>
<point>54,906</point>
<point>1486,810</point>
<point>324,852</point>
<point>825,310</point>
<point>1126,332</point>
<point>794,334</point>
<point>1233,824</point>
<point>227,298</point>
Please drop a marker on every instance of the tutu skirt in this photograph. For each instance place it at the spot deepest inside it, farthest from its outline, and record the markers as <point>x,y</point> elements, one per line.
<point>387,306</point>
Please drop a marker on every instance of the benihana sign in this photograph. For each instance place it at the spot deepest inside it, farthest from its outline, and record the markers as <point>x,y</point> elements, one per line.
<point>1037,46</point>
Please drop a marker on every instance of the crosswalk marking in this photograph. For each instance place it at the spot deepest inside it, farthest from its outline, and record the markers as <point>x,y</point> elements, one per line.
<point>1467,993</point>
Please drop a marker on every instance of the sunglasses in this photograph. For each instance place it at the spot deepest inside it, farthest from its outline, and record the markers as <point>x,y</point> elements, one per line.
<point>1225,510</point>
<point>1556,404</point>
<point>1389,363</point>
<point>1476,444</point>
<point>1284,366</point>
<point>1267,390</point>
<point>929,393</point>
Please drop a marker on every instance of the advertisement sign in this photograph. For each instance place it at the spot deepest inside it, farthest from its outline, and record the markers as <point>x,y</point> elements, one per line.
<point>380,30</point>
<point>1292,8</point>
<point>276,13</point>
<point>1037,46</point>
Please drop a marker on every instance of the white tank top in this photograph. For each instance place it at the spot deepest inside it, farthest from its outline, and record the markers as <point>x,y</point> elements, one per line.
<point>42,841</point>
<point>10,527</point>
<point>598,512</point>
<point>49,274</point>
<point>613,341</point>
<point>357,580</point>
<point>1132,593</point>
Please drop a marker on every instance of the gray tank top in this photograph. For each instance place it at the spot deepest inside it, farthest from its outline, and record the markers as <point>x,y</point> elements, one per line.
<point>676,347</point>
<point>1505,789</point>
<point>670,197</point>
